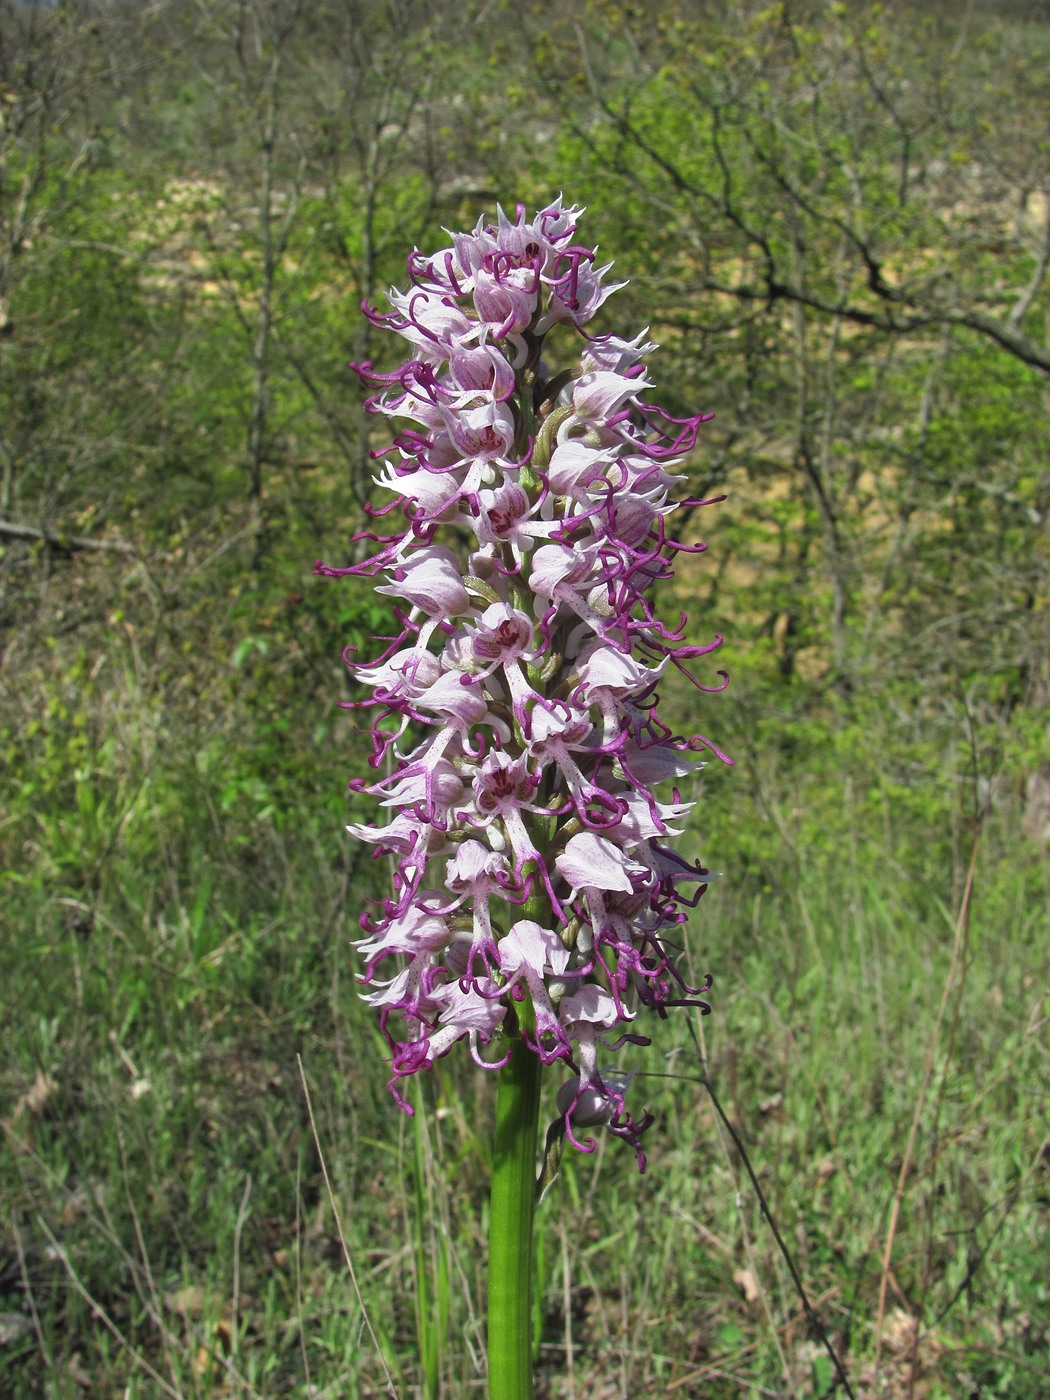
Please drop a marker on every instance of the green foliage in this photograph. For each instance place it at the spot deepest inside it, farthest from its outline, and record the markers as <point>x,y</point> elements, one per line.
<point>179,899</point>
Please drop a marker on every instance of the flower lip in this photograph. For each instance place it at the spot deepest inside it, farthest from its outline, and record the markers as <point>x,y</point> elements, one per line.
<point>431,579</point>
<point>503,783</point>
<point>590,861</point>
<point>502,634</point>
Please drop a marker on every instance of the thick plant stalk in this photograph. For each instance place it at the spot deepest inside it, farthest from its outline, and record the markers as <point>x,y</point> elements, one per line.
<point>510,1226</point>
<point>431,1313</point>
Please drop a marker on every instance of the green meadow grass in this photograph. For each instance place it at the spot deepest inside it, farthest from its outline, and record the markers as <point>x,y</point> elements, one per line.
<point>168,1229</point>
<point>184,1045</point>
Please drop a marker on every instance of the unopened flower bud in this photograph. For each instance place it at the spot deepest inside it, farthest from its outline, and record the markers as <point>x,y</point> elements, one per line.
<point>593,1107</point>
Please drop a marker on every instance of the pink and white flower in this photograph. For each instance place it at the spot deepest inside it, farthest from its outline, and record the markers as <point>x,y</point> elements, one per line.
<point>516,710</point>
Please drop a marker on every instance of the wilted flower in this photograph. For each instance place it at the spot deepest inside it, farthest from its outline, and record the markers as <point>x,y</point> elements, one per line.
<point>517,702</point>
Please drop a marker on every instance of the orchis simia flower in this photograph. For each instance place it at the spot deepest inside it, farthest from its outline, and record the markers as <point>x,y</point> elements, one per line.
<point>532,788</point>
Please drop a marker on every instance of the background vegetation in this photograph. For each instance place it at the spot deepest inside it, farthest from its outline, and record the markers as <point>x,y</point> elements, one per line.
<point>836,220</point>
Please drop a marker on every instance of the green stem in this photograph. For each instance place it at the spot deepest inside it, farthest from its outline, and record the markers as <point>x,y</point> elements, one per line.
<point>427,1332</point>
<point>510,1226</point>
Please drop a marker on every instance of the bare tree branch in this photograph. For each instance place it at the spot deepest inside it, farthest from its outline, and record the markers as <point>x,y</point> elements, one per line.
<point>65,544</point>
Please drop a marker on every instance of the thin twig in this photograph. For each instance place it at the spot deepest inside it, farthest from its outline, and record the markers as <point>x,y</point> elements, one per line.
<point>339,1230</point>
<point>152,1302</point>
<point>1011,1200</point>
<point>238,1229</point>
<point>299,1270</point>
<point>753,1267</point>
<point>811,1316</point>
<point>105,1228</point>
<point>27,1287</point>
<point>100,1312</point>
<point>971,1349</point>
<point>731,1358</point>
<point>68,544</point>
<point>961,925</point>
<point>566,1287</point>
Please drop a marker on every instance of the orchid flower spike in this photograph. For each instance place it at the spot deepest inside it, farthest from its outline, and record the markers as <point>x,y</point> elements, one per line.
<point>534,888</point>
